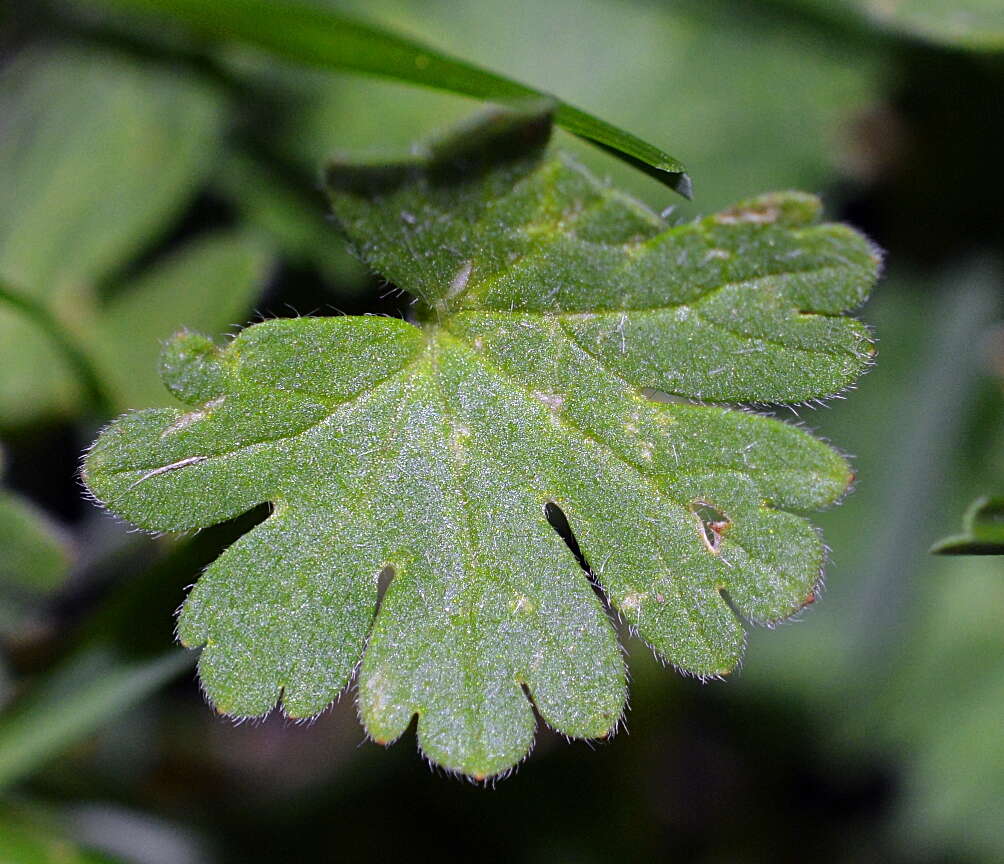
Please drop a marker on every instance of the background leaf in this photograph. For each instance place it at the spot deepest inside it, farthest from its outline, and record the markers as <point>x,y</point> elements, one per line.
<point>99,156</point>
<point>36,553</point>
<point>27,837</point>
<point>983,531</point>
<point>209,283</point>
<point>976,25</point>
<point>99,168</point>
<point>293,222</point>
<point>119,658</point>
<point>35,562</point>
<point>76,699</point>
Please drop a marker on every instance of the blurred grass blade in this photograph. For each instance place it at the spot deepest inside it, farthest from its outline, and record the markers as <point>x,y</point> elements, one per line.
<point>982,531</point>
<point>76,699</point>
<point>118,661</point>
<point>322,37</point>
<point>30,834</point>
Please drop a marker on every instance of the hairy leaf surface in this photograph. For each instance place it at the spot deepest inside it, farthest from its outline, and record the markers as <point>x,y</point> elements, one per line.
<point>549,310</point>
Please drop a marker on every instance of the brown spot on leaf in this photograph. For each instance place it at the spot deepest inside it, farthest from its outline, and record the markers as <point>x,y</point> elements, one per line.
<point>714,524</point>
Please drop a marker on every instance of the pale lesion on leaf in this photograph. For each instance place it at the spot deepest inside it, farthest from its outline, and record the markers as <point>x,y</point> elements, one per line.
<point>164,469</point>
<point>712,523</point>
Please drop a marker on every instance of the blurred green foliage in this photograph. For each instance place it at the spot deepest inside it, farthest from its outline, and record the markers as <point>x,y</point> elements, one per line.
<point>977,25</point>
<point>36,553</point>
<point>98,156</point>
<point>982,530</point>
<point>138,163</point>
<point>28,838</point>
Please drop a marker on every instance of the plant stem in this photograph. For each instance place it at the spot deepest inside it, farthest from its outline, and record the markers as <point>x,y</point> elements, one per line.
<point>75,356</point>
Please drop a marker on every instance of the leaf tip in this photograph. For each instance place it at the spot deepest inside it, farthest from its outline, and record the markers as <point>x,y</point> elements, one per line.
<point>681,182</point>
<point>190,367</point>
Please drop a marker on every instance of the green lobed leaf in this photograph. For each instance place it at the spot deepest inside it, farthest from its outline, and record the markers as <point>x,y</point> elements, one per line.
<point>982,531</point>
<point>549,307</point>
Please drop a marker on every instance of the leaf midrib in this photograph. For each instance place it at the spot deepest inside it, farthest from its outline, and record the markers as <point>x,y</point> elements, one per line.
<point>472,567</point>
<point>649,480</point>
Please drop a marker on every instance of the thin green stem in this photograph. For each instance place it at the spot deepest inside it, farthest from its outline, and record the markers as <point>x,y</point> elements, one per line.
<point>76,357</point>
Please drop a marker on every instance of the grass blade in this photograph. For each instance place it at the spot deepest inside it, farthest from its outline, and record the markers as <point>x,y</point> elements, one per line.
<point>118,659</point>
<point>82,695</point>
<point>321,37</point>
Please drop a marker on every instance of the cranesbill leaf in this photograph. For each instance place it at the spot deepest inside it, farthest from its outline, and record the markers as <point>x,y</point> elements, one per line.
<point>549,307</point>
